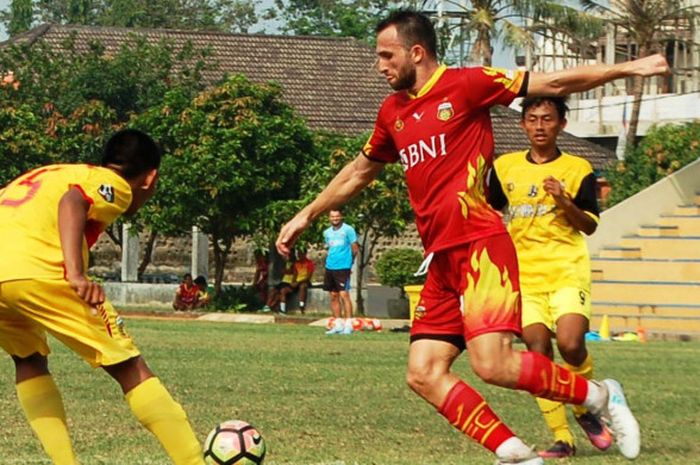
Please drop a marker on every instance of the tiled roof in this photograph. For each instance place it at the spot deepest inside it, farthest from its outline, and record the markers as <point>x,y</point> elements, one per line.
<point>331,82</point>
<point>509,137</point>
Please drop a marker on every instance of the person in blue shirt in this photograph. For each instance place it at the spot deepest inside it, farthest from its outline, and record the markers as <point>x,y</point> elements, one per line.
<point>341,241</point>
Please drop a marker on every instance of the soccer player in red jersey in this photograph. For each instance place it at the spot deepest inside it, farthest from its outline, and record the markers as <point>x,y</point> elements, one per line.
<point>437,125</point>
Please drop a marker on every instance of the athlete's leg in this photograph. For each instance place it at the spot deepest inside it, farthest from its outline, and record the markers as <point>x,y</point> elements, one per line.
<point>153,406</point>
<point>571,331</point>
<point>429,375</point>
<point>41,402</point>
<point>537,335</point>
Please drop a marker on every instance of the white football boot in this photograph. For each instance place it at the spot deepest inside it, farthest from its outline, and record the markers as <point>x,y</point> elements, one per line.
<point>617,416</point>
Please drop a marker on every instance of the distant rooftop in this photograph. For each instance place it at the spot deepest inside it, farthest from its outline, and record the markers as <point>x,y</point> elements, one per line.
<point>331,82</point>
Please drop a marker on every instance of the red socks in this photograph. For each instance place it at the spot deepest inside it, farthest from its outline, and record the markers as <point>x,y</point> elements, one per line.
<point>542,378</point>
<point>467,411</point>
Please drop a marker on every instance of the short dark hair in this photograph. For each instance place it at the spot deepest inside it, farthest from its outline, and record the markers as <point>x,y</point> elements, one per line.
<point>558,102</point>
<point>200,280</point>
<point>413,27</point>
<point>133,151</point>
<point>186,275</point>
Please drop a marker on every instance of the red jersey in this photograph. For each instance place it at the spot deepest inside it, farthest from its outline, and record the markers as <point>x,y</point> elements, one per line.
<point>443,138</point>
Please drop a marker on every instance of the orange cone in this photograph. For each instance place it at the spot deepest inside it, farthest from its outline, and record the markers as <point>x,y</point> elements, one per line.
<point>642,334</point>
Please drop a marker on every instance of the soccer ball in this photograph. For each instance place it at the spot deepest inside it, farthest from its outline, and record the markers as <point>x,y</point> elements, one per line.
<point>234,442</point>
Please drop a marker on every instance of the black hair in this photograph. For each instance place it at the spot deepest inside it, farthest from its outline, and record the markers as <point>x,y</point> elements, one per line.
<point>413,28</point>
<point>200,280</point>
<point>133,151</point>
<point>558,102</point>
<point>186,275</point>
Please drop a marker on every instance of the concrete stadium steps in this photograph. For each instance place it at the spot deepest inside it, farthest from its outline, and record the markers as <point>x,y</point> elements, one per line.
<point>652,324</point>
<point>645,310</point>
<point>664,247</point>
<point>687,210</point>
<point>653,230</point>
<point>625,269</point>
<point>621,252</point>
<point>647,292</point>
<point>688,225</point>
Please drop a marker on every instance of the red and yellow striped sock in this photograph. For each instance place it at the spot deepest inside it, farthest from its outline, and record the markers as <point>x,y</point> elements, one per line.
<point>467,411</point>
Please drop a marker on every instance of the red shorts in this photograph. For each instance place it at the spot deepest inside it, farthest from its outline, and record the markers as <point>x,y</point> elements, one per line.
<point>471,289</point>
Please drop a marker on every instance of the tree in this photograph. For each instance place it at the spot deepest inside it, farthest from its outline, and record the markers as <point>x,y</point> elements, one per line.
<point>237,148</point>
<point>380,211</point>
<point>77,100</point>
<point>21,17</point>
<point>222,15</point>
<point>663,151</point>
<point>330,17</point>
<point>649,25</point>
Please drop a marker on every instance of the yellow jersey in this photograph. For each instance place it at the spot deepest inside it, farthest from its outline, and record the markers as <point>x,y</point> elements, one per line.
<point>551,253</point>
<point>30,245</point>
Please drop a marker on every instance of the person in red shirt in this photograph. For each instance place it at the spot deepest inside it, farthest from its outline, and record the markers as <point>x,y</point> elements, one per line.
<point>186,294</point>
<point>437,125</point>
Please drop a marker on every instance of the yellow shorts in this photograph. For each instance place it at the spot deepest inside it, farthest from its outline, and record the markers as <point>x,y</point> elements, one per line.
<point>31,308</point>
<point>548,307</point>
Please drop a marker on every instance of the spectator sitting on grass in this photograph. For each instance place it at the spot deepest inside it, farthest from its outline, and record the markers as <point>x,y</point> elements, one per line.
<point>203,297</point>
<point>186,294</point>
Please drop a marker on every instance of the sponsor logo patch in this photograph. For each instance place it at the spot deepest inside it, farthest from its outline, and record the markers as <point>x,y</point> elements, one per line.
<point>107,192</point>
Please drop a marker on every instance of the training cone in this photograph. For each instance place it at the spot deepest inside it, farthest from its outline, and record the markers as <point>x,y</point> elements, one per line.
<point>604,330</point>
<point>642,334</point>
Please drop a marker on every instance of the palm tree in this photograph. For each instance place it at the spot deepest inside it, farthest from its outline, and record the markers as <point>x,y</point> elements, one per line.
<point>649,25</point>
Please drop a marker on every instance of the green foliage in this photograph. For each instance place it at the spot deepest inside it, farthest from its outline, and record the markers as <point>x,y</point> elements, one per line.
<point>222,15</point>
<point>330,17</point>
<point>234,150</point>
<point>22,143</point>
<point>236,299</point>
<point>664,150</point>
<point>21,19</point>
<point>396,267</point>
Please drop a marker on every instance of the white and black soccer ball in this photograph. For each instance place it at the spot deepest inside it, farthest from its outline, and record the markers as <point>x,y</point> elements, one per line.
<point>234,442</point>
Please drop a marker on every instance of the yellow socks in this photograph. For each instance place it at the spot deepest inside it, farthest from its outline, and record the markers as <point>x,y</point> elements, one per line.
<point>165,418</point>
<point>43,407</point>
<point>585,370</point>
<point>554,414</point>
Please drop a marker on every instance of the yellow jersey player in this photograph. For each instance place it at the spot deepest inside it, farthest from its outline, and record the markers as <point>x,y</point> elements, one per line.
<point>551,200</point>
<point>49,217</point>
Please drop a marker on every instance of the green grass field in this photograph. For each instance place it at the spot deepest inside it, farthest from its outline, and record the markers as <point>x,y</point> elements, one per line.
<point>322,400</point>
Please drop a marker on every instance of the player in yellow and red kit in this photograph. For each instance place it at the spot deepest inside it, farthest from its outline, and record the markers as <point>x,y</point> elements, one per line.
<point>437,125</point>
<point>49,217</point>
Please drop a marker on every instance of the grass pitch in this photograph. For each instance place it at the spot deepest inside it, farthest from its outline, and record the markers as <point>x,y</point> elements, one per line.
<point>322,400</point>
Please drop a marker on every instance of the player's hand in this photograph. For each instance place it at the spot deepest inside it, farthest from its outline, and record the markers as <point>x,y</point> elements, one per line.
<point>91,292</point>
<point>653,65</point>
<point>553,187</point>
<point>290,232</point>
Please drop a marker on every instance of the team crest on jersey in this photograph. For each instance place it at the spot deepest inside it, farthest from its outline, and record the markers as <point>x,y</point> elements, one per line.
<point>398,125</point>
<point>107,192</point>
<point>445,111</point>
<point>533,191</point>
<point>420,312</point>
<point>510,186</point>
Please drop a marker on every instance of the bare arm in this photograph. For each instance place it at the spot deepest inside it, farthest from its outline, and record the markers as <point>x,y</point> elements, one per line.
<point>583,78</point>
<point>355,249</point>
<point>578,218</point>
<point>347,183</point>
<point>72,217</point>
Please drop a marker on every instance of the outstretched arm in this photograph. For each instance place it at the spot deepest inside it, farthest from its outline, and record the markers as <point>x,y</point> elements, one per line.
<point>583,78</point>
<point>347,183</point>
